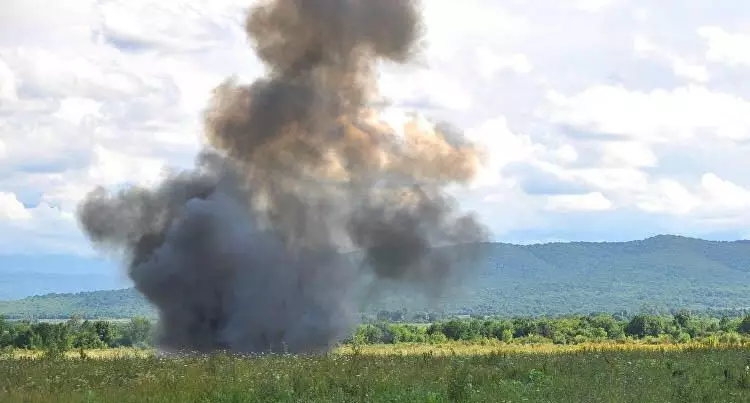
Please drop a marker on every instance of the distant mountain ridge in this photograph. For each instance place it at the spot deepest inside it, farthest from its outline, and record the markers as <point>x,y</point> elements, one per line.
<point>27,275</point>
<point>664,271</point>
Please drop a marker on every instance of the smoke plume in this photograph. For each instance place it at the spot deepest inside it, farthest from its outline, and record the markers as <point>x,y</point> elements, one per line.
<point>245,252</point>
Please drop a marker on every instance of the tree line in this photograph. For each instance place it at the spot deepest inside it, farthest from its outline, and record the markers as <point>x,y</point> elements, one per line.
<point>75,333</point>
<point>680,327</point>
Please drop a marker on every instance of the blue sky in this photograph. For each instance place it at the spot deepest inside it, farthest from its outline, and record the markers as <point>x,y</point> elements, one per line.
<point>605,119</point>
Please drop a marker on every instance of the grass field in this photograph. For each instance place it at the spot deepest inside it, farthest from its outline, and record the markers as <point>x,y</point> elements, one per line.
<point>454,372</point>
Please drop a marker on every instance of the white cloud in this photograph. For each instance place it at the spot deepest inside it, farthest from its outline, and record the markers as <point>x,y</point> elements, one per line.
<point>491,62</point>
<point>594,201</point>
<point>713,197</point>
<point>628,153</point>
<point>502,147</point>
<point>47,231</point>
<point>506,208</point>
<point>667,196</point>
<point>682,114</point>
<point>451,25</point>
<point>723,196</point>
<point>724,47</point>
<point>112,168</point>
<point>610,179</point>
<point>75,109</point>
<point>566,154</point>
<point>586,107</point>
<point>39,229</point>
<point>694,72</point>
<point>11,208</point>
<point>593,6</point>
<point>25,22</point>
<point>425,89</point>
<point>148,25</point>
<point>7,83</point>
<point>681,67</point>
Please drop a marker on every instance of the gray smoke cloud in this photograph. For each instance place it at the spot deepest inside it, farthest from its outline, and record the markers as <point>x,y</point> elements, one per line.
<point>245,252</point>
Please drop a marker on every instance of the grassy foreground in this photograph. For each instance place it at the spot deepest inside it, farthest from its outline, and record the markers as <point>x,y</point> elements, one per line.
<point>452,373</point>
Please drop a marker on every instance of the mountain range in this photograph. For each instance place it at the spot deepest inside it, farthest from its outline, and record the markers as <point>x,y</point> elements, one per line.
<point>27,275</point>
<point>665,272</point>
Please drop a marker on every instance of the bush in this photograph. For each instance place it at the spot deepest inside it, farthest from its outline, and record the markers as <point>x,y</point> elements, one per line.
<point>533,339</point>
<point>507,335</point>
<point>731,338</point>
<point>436,338</point>
<point>645,325</point>
<point>711,341</point>
<point>745,325</point>
<point>560,339</point>
<point>684,338</point>
<point>580,339</point>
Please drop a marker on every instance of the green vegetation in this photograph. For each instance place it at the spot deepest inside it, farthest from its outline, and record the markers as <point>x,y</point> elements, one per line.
<point>55,338</point>
<point>126,303</point>
<point>663,273</point>
<point>546,347</point>
<point>682,328</point>
<point>692,375</point>
<point>644,358</point>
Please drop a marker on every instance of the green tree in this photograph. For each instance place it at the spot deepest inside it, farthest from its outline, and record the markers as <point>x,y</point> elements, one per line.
<point>87,336</point>
<point>645,325</point>
<point>745,325</point>
<point>507,335</point>
<point>682,318</point>
<point>524,327</point>
<point>23,336</point>
<point>106,332</point>
<point>137,333</point>
<point>6,332</point>
<point>457,329</point>
<point>370,334</point>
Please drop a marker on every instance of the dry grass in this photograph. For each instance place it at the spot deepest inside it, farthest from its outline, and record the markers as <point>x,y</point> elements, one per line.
<point>495,347</point>
<point>450,348</point>
<point>105,353</point>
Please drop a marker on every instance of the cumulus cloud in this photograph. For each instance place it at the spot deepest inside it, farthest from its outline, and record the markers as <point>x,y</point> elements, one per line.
<point>42,228</point>
<point>593,5</point>
<point>725,47</point>
<point>628,153</point>
<point>594,201</point>
<point>681,67</point>
<point>691,113</point>
<point>636,113</point>
<point>11,208</point>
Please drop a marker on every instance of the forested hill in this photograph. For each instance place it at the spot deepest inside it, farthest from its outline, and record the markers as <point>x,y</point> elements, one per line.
<point>661,272</point>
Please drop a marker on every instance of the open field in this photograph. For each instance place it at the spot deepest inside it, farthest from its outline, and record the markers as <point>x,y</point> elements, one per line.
<point>452,372</point>
<point>447,348</point>
<point>489,347</point>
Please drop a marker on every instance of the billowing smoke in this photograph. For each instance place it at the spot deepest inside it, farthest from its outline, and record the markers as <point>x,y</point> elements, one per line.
<point>302,195</point>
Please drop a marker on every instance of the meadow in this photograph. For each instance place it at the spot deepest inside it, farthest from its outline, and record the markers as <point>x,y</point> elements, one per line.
<point>591,358</point>
<point>449,372</point>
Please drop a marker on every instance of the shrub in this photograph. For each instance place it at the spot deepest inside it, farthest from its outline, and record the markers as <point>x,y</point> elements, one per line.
<point>731,338</point>
<point>745,325</point>
<point>507,335</point>
<point>684,337</point>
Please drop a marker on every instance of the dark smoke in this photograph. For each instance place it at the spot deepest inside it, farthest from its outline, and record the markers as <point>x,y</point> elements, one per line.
<point>244,252</point>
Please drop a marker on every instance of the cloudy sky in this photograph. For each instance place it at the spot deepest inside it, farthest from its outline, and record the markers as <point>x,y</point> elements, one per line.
<point>605,119</point>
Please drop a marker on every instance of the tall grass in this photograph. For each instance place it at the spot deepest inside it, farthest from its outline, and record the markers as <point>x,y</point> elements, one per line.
<point>594,374</point>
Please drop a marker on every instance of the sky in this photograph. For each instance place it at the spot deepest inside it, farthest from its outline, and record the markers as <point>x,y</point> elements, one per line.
<point>605,120</point>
